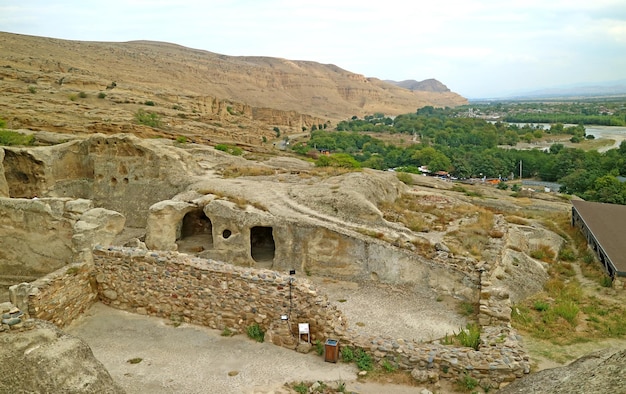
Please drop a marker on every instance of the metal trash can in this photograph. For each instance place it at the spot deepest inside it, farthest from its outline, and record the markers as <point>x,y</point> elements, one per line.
<point>331,350</point>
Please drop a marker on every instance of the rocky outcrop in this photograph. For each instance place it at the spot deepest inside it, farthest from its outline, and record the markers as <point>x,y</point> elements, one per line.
<point>117,173</point>
<point>41,235</point>
<point>599,372</point>
<point>39,358</point>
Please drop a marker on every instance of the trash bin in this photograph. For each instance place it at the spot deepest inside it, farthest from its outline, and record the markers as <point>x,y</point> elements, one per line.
<point>331,350</point>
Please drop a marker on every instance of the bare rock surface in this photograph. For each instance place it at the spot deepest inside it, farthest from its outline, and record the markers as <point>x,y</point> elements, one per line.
<point>44,359</point>
<point>598,372</point>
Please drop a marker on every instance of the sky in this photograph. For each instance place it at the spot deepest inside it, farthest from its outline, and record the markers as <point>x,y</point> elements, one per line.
<point>479,49</point>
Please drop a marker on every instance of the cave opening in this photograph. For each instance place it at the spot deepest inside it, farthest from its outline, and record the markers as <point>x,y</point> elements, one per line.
<point>262,246</point>
<point>196,232</point>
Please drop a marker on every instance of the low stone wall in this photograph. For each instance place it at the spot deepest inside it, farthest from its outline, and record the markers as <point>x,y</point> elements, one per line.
<point>59,297</point>
<point>218,295</point>
<point>213,294</point>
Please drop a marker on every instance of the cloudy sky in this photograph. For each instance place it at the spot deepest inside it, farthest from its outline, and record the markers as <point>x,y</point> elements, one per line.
<point>482,48</point>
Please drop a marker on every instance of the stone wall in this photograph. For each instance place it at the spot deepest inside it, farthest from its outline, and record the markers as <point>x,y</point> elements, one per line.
<point>218,295</point>
<point>212,294</point>
<point>59,297</point>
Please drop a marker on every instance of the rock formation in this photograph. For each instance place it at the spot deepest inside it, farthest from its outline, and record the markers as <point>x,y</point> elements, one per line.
<point>40,358</point>
<point>598,372</point>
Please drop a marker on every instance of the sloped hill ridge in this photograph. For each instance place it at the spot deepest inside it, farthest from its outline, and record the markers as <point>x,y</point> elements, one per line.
<point>175,74</point>
<point>427,85</point>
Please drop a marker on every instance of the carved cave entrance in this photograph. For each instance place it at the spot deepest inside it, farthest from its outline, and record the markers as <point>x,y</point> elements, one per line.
<point>262,246</point>
<point>196,233</point>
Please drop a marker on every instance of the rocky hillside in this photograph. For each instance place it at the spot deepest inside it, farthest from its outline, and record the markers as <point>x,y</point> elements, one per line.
<point>427,85</point>
<point>51,84</point>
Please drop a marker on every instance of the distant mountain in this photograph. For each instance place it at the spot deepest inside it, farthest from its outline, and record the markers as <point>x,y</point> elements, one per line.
<point>598,89</point>
<point>427,85</point>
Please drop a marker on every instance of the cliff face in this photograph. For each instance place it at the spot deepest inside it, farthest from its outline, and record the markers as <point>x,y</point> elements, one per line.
<point>198,83</point>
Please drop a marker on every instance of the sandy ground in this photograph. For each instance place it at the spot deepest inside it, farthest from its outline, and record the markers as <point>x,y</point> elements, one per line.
<point>407,312</point>
<point>194,359</point>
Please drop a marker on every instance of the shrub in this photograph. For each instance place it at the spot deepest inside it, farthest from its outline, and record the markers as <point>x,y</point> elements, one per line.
<point>347,354</point>
<point>343,160</point>
<point>181,139</point>
<point>364,361</point>
<point>82,95</point>
<point>147,118</point>
<point>32,89</point>
<point>541,306</point>
<point>227,332</point>
<point>230,110</point>
<point>470,336</point>
<point>233,150</point>
<point>149,103</point>
<point>388,366</point>
<point>405,178</point>
<point>567,254</point>
<point>319,347</point>
<point>606,281</point>
<point>568,310</point>
<point>467,382</point>
<point>9,138</point>
<point>101,95</point>
<point>301,388</point>
<point>502,186</point>
<point>255,332</point>
<point>72,97</point>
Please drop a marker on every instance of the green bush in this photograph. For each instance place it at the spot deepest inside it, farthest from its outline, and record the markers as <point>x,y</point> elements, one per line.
<point>233,150</point>
<point>255,332</point>
<point>32,89</point>
<point>9,138</point>
<point>347,354</point>
<point>149,103</point>
<point>181,139</point>
<point>147,118</point>
<point>301,388</point>
<point>405,178</point>
<point>541,306</point>
<point>82,95</point>
<point>606,281</point>
<point>364,361</point>
<point>567,254</point>
<point>101,95</point>
<point>342,160</point>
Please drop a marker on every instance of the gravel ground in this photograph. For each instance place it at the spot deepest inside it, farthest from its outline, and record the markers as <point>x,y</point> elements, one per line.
<point>403,312</point>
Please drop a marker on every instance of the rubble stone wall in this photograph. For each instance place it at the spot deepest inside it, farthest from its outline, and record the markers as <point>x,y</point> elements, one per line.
<point>59,297</point>
<point>218,295</point>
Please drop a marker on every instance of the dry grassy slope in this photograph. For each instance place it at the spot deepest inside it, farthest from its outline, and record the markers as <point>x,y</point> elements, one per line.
<point>195,80</point>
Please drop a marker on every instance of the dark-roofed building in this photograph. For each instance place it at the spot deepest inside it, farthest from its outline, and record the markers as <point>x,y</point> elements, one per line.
<point>604,226</point>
